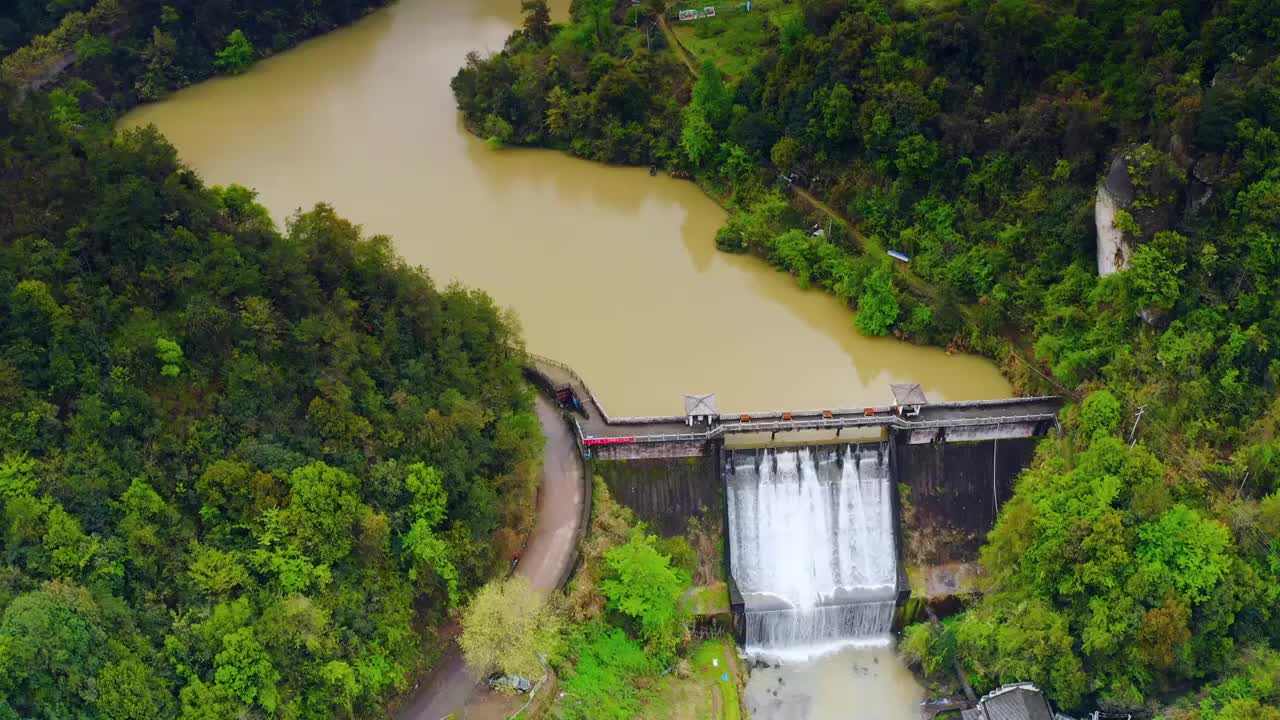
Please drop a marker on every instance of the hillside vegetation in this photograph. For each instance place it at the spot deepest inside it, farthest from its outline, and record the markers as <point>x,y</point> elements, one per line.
<point>1136,565</point>
<point>244,471</point>
<point>126,51</point>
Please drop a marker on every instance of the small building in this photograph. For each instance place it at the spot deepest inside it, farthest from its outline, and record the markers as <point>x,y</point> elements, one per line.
<point>1018,701</point>
<point>700,409</point>
<point>908,399</point>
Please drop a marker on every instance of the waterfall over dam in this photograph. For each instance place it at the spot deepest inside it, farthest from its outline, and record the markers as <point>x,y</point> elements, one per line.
<point>811,532</point>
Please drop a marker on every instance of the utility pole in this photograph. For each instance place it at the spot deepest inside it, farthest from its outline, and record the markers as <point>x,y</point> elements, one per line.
<point>1133,434</point>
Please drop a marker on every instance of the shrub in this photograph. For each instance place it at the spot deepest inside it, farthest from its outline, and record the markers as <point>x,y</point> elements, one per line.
<point>237,56</point>
<point>1100,412</point>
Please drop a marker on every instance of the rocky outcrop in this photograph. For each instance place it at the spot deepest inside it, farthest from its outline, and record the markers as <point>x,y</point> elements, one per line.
<point>1144,192</point>
<point>1115,193</point>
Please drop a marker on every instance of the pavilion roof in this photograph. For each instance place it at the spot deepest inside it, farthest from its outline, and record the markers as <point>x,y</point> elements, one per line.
<point>700,404</point>
<point>909,394</point>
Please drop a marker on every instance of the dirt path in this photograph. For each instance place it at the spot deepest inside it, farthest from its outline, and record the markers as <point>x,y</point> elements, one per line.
<point>869,246</point>
<point>545,562</point>
<point>731,660</point>
<point>675,44</point>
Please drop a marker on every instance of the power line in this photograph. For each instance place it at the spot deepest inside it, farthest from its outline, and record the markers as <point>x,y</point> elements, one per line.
<point>1177,448</point>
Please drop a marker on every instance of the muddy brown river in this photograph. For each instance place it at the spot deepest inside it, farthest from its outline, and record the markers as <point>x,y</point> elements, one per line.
<point>609,269</point>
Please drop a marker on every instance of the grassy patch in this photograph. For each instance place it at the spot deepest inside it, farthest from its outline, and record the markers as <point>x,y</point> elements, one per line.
<point>720,649</point>
<point>691,695</point>
<point>710,599</point>
<point>734,39</point>
<point>610,678</point>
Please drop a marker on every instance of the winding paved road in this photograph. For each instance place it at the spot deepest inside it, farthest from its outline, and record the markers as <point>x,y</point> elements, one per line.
<point>545,562</point>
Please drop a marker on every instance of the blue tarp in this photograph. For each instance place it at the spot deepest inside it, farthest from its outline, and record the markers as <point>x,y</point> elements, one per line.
<point>899,255</point>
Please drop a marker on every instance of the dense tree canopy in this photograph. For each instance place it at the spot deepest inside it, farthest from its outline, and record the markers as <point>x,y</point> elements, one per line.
<point>644,587</point>
<point>240,468</point>
<point>131,51</point>
<point>597,93</point>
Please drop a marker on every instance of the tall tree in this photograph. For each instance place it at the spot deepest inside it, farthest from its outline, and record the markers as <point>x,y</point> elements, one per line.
<point>643,586</point>
<point>537,20</point>
<point>507,626</point>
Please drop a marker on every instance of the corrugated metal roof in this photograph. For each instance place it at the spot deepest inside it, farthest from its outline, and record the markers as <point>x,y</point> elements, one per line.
<point>1016,703</point>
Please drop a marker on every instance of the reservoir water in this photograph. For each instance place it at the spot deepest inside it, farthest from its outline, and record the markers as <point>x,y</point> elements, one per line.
<point>611,270</point>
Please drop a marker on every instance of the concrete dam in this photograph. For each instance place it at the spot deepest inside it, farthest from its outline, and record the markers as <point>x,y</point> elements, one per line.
<point>817,540</point>
<point>812,548</point>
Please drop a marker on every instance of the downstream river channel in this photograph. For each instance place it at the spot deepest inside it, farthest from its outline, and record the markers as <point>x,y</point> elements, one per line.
<point>610,270</point>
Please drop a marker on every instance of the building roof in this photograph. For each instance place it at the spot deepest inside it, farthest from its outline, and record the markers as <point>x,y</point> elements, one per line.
<point>1020,701</point>
<point>909,395</point>
<point>972,714</point>
<point>700,404</point>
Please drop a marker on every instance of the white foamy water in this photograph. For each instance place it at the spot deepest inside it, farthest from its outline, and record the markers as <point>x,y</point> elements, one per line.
<point>812,546</point>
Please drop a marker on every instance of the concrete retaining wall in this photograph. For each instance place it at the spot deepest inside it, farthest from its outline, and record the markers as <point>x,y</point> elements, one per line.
<point>584,518</point>
<point>953,492</point>
<point>902,581</point>
<point>665,492</point>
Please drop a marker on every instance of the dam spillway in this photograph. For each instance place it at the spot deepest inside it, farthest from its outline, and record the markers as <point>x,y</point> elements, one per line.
<point>811,532</point>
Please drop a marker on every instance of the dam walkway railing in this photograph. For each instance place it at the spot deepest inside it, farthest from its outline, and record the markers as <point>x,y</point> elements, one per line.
<point>599,428</point>
<point>833,424</point>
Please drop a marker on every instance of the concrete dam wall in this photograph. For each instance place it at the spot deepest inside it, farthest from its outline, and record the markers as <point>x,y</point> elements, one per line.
<point>952,491</point>
<point>953,494</point>
<point>665,492</point>
<point>940,500</point>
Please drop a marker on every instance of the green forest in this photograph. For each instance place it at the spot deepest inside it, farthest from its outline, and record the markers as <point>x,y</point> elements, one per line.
<point>245,471</point>
<point>116,53</point>
<point>1136,566</point>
